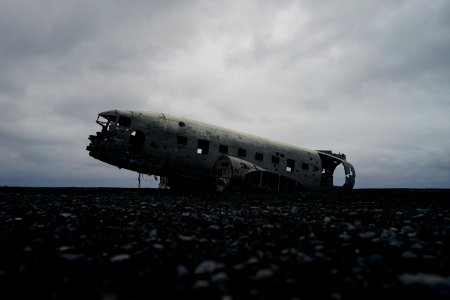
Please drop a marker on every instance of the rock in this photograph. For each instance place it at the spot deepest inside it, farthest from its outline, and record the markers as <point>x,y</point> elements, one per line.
<point>263,274</point>
<point>208,266</point>
<point>345,236</point>
<point>295,210</point>
<point>374,259</point>
<point>409,255</point>
<point>367,235</point>
<point>129,243</point>
<point>387,235</point>
<point>120,257</point>
<point>219,277</point>
<point>440,284</point>
<point>182,271</point>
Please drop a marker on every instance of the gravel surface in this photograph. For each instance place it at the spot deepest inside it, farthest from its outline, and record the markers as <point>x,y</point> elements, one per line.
<point>149,244</point>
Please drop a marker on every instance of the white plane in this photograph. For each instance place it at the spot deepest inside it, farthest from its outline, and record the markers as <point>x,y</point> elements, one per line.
<point>190,154</point>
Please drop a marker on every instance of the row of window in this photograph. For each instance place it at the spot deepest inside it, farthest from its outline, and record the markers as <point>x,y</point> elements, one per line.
<point>203,148</point>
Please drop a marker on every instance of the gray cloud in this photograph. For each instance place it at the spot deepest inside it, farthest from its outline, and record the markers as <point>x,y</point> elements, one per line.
<point>365,78</point>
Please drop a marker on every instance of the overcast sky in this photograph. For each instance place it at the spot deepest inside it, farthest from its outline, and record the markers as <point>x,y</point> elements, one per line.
<point>370,79</point>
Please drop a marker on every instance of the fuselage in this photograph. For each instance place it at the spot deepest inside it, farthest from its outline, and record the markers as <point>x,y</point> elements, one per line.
<point>169,146</point>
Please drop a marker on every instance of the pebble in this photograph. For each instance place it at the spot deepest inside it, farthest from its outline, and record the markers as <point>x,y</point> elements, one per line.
<point>409,255</point>
<point>120,257</point>
<point>208,266</point>
<point>440,284</point>
<point>263,274</point>
<point>367,234</point>
<point>270,245</point>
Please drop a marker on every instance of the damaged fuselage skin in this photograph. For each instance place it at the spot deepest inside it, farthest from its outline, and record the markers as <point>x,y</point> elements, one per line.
<point>187,153</point>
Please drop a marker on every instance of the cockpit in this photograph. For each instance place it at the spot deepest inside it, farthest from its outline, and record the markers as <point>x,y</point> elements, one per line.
<point>112,142</point>
<point>105,120</point>
<point>117,142</point>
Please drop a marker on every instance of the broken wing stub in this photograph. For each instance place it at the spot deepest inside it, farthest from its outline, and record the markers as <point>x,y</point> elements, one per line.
<point>232,172</point>
<point>228,170</point>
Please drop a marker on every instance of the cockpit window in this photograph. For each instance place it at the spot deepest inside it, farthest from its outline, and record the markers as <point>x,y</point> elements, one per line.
<point>111,118</point>
<point>105,120</point>
<point>124,121</point>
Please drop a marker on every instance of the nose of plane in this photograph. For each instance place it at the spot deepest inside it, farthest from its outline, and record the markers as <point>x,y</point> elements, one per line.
<point>95,141</point>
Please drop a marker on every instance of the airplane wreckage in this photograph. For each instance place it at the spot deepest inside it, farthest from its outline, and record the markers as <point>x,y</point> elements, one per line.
<point>190,154</point>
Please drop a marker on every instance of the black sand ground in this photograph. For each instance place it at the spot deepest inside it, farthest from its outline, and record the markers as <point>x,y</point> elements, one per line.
<point>150,244</point>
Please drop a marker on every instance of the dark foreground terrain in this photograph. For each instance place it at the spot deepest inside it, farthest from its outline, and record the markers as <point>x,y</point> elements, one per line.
<point>150,244</point>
